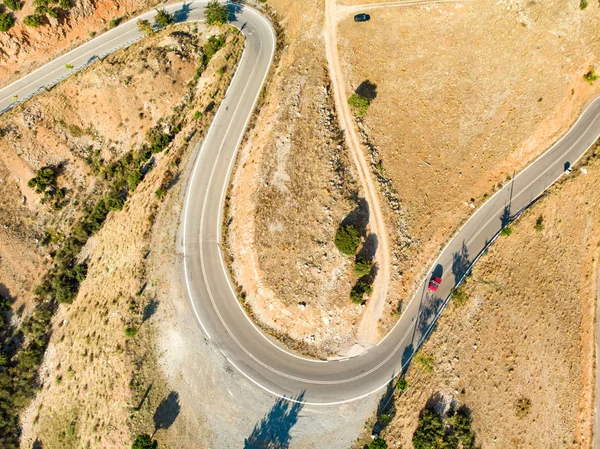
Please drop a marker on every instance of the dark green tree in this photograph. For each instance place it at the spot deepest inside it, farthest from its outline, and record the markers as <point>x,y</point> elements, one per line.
<point>6,21</point>
<point>216,13</point>
<point>378,443</point>
<point>430,431</point>
<point>347,239</point>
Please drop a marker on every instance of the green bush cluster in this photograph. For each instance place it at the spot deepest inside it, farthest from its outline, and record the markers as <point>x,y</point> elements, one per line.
<point>19,370</point>
<point>44,183</point>
<point>34,20</point>
<point>591,76</point>
<point>449,432</point>
<point>208,50</point>
<point>6,21</point>
<point>216,13</point>
<point>402,384</point>
<point>459,295</point>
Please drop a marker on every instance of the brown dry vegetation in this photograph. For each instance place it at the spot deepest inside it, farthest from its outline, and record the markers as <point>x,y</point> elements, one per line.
<point>23,48</point>
<point>467,94</point>
<point>526,331</point>
<point>291,189</point>
<point>93,376</point>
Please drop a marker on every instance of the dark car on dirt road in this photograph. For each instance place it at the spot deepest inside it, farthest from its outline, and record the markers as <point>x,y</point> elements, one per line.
<point>362,17</point>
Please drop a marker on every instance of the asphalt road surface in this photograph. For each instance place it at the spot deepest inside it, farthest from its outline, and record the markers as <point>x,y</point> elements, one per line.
<point>255,355</point>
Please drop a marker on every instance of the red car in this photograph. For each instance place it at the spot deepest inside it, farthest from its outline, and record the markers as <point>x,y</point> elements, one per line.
<point>434,283</point>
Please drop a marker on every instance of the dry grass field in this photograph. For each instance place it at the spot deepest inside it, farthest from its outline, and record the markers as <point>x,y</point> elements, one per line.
<point>526,331</point>
<point>467,93</point>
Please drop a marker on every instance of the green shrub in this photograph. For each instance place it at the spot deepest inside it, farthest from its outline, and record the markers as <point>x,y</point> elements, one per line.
<point>163,18</point>
<point>362,267</point>
<point>378,443</point>
<point>130,331</point>
<point>144,441</point>
<point>145,27</point>
<point>402,384</point>
<point>459,295</point>
<point>69,66</point>
<point>13,5</point>
<point>34,20</point>
<point>64,4</point>
<point>591,76</point>
<point>359,104</point>
<point>197,115</point>
<point>425,361</point>
<point>583,4</point>
<point>216,13</point>
<point>53,12</point>
<point>160,193</point>
<point>6,21</point>
<point>522,407</point>
<point>359,290</point>
<point>347,239</point>
<point>114,22</point>
<point>508,230</point>
<point>539,224</point>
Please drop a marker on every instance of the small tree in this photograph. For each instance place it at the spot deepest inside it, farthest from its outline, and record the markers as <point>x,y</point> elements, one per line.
<point>130,331</point>
<point>347,239</point>
<point>359,104</point>
<point>6,21</point>
<point>216,13</point>
<point>34,20</point>
<point>508,230</point>
<point>163,18</point>
<point>145,27</point>
<point>13,5</point>
<point>144,441</point>
<point>358,292</point>
<point>362,267</point>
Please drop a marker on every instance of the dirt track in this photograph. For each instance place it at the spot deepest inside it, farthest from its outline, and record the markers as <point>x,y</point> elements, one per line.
<point>367,332</point>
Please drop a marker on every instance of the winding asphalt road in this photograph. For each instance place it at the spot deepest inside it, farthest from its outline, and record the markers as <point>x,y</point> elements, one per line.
<point>258,357</point>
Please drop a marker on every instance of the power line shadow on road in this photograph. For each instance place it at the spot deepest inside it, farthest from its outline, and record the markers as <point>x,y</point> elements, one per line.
<point>273,431</point>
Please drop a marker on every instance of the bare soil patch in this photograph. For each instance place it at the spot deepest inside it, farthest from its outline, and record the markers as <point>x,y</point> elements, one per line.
<point>466,94</point>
